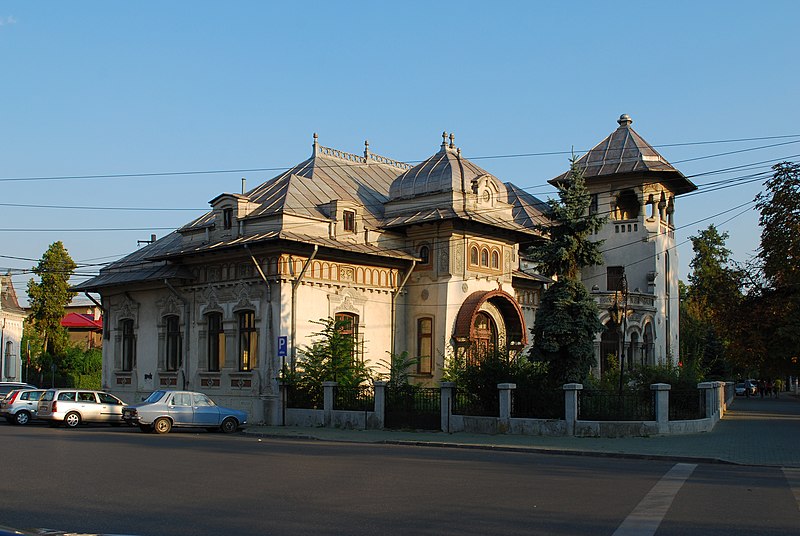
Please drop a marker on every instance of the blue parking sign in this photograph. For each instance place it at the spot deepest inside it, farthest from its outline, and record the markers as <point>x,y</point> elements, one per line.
<point>282,346</point>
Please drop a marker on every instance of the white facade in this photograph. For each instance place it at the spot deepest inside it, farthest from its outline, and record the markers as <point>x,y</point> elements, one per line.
<point>12,317</point>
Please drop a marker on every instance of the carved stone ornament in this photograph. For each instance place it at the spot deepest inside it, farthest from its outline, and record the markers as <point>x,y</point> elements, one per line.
<point>347,273</point>
<point>170,305</point>
<point>458,252</point>
<point>128,309</point>
<point>444,258</point>
<point>242,293</point>
<point>212,300</point>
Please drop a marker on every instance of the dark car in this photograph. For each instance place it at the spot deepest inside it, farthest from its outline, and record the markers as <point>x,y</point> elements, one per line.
<point>164,409</point>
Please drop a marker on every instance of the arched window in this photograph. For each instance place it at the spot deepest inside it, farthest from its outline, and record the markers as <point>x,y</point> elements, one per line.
<point>128,345</point>
<point>473,255</point>
<point>424,255</point>
<point>248,340</point>
<point>484,330</point>
<point>648,347</point>
<point>495,260</point>
<point>347,325</point>
<point>172,357</point>
<point>484,257</point>
<point>216,342</point>
<point>627,205</point>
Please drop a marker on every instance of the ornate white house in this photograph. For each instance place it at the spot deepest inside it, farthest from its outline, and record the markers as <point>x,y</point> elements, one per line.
<point>12,317</point>
<point>427,259</point>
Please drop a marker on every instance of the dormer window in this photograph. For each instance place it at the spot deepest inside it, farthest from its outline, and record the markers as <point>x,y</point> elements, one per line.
<point>349,221</point>
<point>227,218</point>
<point>424,255</point>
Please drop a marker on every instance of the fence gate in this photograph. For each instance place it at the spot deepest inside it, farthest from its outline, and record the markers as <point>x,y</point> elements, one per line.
<point>415,408</point>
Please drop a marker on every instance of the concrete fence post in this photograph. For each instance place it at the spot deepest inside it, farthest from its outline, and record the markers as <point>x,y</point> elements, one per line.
<point>380,404</point>
<point>662,406</point>
<point>571,405</point>
<point>708,387</point>
<point>327,400</point>
<point>505,401</point>
<point>446,404</point>
<point>283,387</point>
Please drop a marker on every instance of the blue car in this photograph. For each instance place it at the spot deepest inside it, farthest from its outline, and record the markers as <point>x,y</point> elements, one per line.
<point>163,410</point>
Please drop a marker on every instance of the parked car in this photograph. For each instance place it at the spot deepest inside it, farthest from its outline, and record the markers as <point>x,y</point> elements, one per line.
<point>20,406</point>
<point>7,387</point>
<point>164,409</point>
<point>74,406</point>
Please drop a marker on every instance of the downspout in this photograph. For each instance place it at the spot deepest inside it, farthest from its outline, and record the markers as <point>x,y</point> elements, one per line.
<point>295,284</point>
<point>271,334</point>
<point>394,305</point>
<point>185,364</point>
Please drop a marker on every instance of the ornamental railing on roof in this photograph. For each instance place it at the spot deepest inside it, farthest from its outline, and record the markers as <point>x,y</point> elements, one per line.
<point>359,159</point>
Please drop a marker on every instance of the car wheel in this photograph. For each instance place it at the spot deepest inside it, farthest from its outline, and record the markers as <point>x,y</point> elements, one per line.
<point>229,425</point>
<point>72,419</point>
<point>147,428</point>
<point>22,417</point>
<point>162,425</point>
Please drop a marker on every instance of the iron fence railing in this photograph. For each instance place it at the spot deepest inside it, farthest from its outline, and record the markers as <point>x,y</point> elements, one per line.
<point>465,403</point>
<point>361,398</point>
<point>410,407</point>
<point>303,398</point>
<point>596,405</point>
<point>537,403</point>
<point>687,404</point>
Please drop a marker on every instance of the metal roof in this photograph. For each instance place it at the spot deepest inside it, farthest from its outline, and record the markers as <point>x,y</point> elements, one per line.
<point>8,296</point>
<point>624,151</point>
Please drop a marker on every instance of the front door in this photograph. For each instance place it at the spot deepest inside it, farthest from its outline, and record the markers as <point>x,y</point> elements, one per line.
<point>485,333</point>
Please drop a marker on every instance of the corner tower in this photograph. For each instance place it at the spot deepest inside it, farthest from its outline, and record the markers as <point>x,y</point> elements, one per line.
<point>637,286</point>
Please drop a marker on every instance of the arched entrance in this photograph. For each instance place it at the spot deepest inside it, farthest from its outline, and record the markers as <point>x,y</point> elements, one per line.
<point>489,321</point>
<point>485,331</point>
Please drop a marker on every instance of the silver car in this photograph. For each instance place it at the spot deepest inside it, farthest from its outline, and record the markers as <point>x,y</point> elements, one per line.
<point>74,406</point>
<point>164,409</point>
<point>20,406</point>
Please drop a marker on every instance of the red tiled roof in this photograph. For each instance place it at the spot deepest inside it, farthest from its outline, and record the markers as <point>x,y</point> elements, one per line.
<point>81,321</point>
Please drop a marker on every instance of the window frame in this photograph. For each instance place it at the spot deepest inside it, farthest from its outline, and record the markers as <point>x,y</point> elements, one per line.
<point>128,350</point>
<point>248,340</point>
<point>425,362</point>
<point>215,345</point>
<point>614,275</point>
<point>352,332</point>
<point>349,221</point>
<point>173,347</point>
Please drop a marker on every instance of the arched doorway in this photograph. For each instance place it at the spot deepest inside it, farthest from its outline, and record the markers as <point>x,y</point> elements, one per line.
<point>484,334</point>
<point>609,345</point>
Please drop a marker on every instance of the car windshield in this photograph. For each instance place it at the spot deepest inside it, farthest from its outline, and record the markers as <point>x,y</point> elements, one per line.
<point>155,396</point>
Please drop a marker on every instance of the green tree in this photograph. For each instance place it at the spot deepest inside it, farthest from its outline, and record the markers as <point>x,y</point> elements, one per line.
<point>331,357</point>
<point>49,297</point>
<point>567,319</point>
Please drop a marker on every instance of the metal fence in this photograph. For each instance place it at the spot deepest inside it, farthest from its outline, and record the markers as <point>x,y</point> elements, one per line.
<point>303,398</point>
<point>413,408</point>
<point>465,403</point>
<point>595,405</point>
<point>687,404</point>
<point>537,403</point>
<point>361,398</point>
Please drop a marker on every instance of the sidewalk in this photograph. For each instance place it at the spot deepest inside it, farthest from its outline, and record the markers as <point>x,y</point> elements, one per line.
<point>752,432</point>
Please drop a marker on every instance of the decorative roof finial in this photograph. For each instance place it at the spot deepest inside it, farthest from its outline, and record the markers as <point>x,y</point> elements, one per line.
<point>366,149</point>
<point>315,145</point>
<point>452,141</point>
<point>444,139</point>
<point>624,120</point>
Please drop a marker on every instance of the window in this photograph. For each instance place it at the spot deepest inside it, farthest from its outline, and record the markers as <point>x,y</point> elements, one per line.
<point>347,325</point>
<point>349,221</point>
<point>199,399</point>
<point>614,275</point>
<point>495,260</point>
<point>473,255</point>
<point>227,218</point>
<point>484,257</point>
<point>424,345</point>
<point>172,358</point>
<point>85,396</point>
<point>248,340</point>
<point>424,255</point>
<point>216,342</point>
<point>106,398</point>
<point>128,346</point>
<point>593,205</point>
<point>181,399</point>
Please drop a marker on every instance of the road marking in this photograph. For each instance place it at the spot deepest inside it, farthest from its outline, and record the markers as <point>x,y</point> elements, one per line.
<point>648,514</point>
<point>793,477</point>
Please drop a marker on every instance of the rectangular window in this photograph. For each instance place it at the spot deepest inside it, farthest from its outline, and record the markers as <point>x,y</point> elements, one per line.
<point>425,345</point>
<point>227,218</point>
<point>349,221</point>
<point>593,206</point>
<point>173,356</point>
<point>128,346</point>
<point>614,277</point>
<point>216,342</point>
<point>248,341</point>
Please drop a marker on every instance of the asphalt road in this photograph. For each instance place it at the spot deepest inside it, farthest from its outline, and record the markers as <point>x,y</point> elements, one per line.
<point>119,480</point>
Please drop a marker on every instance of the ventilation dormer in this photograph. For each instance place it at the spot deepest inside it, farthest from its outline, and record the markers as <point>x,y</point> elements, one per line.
<point>230,211</point>
<point>346,216</point>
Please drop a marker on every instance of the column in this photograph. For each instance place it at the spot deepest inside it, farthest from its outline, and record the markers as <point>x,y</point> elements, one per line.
<point>505,400</point>
<point>445,404</point>
<point>380,403</point>
<point>662,406</point>
<point>327,398</point>
<point>571,405</point>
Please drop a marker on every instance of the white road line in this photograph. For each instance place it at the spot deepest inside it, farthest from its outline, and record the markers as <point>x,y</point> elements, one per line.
<point>793,477</point>
<point>648,514</point>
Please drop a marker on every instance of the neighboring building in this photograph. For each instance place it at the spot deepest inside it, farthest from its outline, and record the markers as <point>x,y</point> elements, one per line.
<point>425,259</point>
<point>84,324</point>
<point>12,317</point>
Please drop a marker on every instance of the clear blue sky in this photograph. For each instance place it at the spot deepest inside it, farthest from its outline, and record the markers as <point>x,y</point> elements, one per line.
<point>96,88</point>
